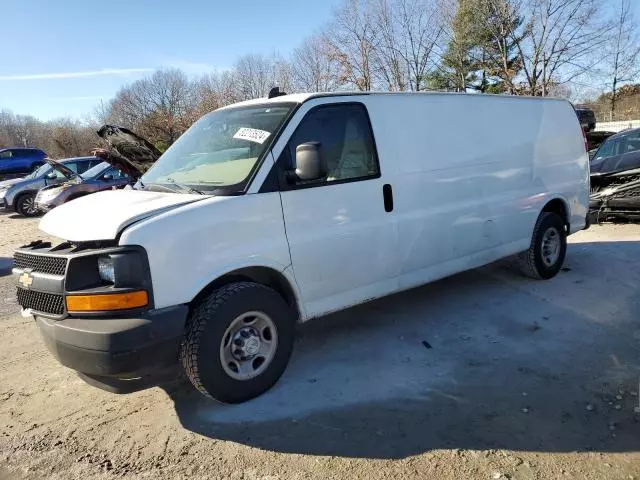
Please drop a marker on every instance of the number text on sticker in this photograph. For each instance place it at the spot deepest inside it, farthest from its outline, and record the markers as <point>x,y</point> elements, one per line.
<point>252,134</point>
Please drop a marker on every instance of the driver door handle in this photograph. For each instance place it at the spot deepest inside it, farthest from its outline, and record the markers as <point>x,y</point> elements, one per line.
<point>387,195</point>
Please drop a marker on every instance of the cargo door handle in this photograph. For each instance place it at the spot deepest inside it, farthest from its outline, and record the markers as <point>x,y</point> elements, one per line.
<point>387,195</point>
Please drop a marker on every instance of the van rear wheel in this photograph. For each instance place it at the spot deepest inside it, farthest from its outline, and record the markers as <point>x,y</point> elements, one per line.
<point>548,248</point>
<point>239,342</point>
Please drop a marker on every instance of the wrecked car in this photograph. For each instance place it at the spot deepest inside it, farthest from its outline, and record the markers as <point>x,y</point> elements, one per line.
<point>617,153</point>
<point>18,195</point>
<point>615,178</point>
<point>127,159</point>
<point>101,177</point>
<point>615,197</point>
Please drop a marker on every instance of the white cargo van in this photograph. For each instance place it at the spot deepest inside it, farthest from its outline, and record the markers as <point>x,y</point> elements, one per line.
<point>275,211</point>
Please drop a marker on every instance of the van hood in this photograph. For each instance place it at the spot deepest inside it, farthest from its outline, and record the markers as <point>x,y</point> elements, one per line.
<point>102,215</point>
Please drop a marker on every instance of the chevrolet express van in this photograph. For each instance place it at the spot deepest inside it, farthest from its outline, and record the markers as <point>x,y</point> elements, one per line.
<point>274,211</point>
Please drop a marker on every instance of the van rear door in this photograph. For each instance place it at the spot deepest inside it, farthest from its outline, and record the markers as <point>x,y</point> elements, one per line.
<point>341,233</point>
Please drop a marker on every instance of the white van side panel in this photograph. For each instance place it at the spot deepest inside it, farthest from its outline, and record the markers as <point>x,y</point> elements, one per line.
<point>191,246</point>
<point>472,173</point>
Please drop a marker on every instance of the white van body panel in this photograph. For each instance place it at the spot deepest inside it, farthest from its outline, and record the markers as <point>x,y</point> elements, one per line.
<point>463,197</point>
<point>192,245</point>
<point>466,196</point>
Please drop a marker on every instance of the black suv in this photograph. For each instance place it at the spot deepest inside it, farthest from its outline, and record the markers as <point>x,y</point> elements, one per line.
<point>586,117</point>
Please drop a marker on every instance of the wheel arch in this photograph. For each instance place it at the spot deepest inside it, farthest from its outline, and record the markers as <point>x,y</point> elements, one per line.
<point>560,207</point>
<point>19,195</point>
<point>270,277</point>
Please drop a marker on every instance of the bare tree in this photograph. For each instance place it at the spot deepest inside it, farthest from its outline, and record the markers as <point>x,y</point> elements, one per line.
<point>622,61</point>
<point>160,107</point>
<point>256,74</point>
<point>59,138</point>
<point>564,40</point>
<point>352,39</point>
<point>215,90</point>
<point>313,68</point>
<point>410,32</point>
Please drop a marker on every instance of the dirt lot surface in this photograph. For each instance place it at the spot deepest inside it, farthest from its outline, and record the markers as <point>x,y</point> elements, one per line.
<point>483,375</point>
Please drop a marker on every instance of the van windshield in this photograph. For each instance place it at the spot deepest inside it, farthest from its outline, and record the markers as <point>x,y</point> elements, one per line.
<point>219,150</point>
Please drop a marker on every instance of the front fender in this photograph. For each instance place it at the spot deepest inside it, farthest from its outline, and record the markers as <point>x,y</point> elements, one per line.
<point>192,245</point>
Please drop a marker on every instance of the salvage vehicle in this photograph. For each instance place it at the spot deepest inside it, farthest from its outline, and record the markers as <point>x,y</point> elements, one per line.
<point>274,211</point>
<point>128,158</point>
<point>586,117</point>
<point>101,177</point>
<point>617,197</point>
<point>19,194</point>
<point>617,153</point>
<point>595,139</point>
<point>17,161</point>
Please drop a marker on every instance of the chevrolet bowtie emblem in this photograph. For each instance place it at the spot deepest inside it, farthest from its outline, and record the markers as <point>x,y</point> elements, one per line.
<point>25,280</point>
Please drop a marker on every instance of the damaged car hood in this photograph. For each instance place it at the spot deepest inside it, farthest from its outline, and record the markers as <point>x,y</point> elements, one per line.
<point>67,172</point>
<point>135,154</point>
<point>102,215</point>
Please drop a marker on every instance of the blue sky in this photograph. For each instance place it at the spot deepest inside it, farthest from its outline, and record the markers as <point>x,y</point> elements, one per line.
<point>61,57</point>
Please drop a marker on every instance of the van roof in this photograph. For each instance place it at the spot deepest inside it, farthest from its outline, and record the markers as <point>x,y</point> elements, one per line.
<point>303,97</point>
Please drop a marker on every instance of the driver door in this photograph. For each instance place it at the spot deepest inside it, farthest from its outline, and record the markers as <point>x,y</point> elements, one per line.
<point>342,238</point>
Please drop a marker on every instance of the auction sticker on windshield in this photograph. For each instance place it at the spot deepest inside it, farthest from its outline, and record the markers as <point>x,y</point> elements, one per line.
<point>252,134</point>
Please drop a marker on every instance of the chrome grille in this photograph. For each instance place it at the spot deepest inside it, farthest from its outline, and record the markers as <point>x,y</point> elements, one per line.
<point>40,263</point>
<point>41,301</point>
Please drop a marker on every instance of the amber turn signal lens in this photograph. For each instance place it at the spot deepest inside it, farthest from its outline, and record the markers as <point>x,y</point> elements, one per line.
<point>105,302</point>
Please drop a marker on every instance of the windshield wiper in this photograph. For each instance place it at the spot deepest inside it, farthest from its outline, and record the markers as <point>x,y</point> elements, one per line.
<point>184,188</point>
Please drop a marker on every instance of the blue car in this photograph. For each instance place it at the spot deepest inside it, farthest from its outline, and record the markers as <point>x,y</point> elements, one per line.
<point>19,161</point>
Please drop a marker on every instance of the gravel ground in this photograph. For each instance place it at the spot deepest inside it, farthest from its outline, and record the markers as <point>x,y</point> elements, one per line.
<point>482,375</point>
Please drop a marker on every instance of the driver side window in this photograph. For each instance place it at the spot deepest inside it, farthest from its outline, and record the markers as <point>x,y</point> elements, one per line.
<point>346,141</point>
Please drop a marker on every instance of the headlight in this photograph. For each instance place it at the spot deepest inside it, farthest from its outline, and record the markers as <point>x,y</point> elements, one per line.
<point>3,192</point>
<point>46,195</point>
<point>106,269</point>
<point>52,192</point>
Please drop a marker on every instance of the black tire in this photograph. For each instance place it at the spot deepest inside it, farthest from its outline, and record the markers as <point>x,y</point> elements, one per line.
<point>208,323</point>
<point>531,261</point>
<point>26,205</point>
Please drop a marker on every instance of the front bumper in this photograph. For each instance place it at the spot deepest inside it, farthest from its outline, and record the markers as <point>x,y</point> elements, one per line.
<point>119,354</point>
<point>44,207</point>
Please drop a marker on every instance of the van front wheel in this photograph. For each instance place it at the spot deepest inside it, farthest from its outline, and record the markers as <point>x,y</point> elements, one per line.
<point>545,255</point>
<point>239,342</point>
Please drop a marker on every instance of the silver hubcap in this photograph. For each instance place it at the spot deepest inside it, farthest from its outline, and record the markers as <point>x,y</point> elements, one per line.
<point>248,345</point>
<point>550,247</point>
<point>29,205</point>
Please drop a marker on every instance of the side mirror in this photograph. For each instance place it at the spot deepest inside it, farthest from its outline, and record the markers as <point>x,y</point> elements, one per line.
<point>107,177</point>
<point>51,176</point>
<point>310,163</point>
